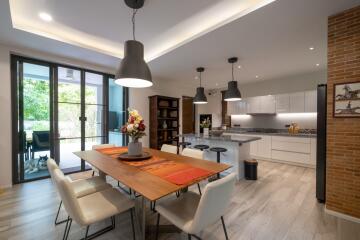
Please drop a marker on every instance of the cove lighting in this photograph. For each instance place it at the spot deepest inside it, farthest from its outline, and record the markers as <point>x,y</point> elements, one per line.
<point>297,115</point>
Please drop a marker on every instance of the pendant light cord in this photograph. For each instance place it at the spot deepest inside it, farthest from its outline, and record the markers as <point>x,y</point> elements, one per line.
<point>133,22</point>
<point>232,71</point>
<point>200,79</point>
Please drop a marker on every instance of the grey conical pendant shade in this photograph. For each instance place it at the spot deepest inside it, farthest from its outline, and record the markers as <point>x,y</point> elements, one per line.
<point>133,70</point>
<point>200,97</point>
<point>233,93</point>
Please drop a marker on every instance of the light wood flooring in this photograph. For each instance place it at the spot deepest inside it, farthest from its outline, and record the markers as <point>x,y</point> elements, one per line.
<point>280,205</point>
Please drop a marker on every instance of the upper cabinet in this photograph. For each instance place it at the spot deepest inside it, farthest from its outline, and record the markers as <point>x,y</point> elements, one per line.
<point>282,103</point>
<point>311,101</point>
<point>297,102</point>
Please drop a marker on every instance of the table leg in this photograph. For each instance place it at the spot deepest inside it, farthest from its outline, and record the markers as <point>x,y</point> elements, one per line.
<point>140,209</point>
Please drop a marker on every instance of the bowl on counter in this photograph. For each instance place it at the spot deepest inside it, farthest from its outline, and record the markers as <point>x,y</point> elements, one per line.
<point>216,133</point>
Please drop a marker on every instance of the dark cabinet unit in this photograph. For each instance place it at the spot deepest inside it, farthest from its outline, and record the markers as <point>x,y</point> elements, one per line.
<point>164,121</point>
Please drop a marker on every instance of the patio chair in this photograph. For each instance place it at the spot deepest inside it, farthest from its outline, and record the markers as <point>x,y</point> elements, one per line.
<point>41,142</point>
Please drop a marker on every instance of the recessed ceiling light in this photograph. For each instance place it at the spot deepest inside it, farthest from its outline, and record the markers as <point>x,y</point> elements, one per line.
<point>318,64</point>
<point>45,16</point>
<point>257,76</point>
<point>239,66</point>
<point>311,48</point>
<point>196,77</point>
<point>216,84</point>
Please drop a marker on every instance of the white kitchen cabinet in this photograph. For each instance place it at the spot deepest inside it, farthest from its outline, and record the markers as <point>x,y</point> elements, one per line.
<point>254,148</point>
<point>313,151</point>
<point>282,103</point>
<point>311,101</point>
<point>253,105</point>
<point>231,108</point>
<point>264,147</point>
<point>297,102</point>
<point>267,104</point>
<point>237,107</point>
<point>301,158</point>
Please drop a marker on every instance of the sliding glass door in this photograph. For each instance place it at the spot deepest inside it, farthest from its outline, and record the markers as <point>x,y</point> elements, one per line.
<point>58,110</point>
<point>31,102</point>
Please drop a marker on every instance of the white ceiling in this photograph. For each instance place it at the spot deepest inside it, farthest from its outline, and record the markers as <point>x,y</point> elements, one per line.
<point>272,41</point>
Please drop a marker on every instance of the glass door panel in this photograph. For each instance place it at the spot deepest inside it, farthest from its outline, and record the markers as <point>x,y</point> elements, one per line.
<point>94,105</point>
<point>68,102</point>
<point>34,116</point>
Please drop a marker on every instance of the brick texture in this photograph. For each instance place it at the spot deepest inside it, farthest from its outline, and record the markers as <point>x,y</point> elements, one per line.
<point>343,140</point>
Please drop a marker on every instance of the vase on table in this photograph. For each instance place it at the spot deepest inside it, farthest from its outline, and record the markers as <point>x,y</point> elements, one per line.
<point>206,131</point>
<point>135,147</point>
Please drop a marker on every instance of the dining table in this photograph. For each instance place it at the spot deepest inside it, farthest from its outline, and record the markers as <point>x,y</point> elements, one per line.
<point>151,183</point>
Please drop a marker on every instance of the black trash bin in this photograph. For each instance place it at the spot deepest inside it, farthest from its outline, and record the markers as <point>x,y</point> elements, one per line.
<point>251,169</point>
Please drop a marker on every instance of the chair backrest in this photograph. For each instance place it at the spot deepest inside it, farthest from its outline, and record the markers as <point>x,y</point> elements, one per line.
<point>100,146</point>
<point>194,153</point>
<point>213,203</point>
<point>169,148</point>
<point>68,197</point>
<point>51,164</point>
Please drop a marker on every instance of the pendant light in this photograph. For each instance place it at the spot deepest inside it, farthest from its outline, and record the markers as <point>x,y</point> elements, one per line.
<point>233,93</point>
<point>133,70</point>
<point>200,97</point>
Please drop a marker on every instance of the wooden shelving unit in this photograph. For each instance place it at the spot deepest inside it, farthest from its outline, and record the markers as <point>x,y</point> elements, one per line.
<point>164,121</point>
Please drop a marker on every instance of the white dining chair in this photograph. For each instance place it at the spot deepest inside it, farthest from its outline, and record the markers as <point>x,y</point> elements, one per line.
<point>82,187</point>
<point>194,153</point>
<point>169,148</point>
<point>92,208</point>
<point>192,213</point>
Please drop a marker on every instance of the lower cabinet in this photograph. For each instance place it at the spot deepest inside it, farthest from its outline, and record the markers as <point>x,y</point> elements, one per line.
<point>296,150</point>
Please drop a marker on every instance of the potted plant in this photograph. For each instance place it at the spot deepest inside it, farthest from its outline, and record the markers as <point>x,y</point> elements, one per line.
<point>205,124</point>
<point>135,129</point>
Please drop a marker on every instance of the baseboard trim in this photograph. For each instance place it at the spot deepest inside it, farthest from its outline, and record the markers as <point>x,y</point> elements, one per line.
<point>342,215</point>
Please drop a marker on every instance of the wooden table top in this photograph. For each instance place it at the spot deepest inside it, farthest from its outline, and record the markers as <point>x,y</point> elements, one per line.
<point>148,185</point>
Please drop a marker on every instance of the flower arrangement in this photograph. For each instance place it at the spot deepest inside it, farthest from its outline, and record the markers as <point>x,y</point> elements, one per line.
<point>135,126</point>
<point>205,123</point>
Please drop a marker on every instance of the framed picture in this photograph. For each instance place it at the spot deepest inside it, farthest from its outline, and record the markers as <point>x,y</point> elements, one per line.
<point>347,99</point>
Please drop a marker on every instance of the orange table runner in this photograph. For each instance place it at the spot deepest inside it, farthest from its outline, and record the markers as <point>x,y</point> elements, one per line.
<point>174,172</point>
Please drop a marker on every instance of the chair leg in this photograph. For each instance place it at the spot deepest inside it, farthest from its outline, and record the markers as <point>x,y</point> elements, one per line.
<point>57,215</point>
<point>224,227</point>
<point>132,222</point>
<point>157,226</point>
<point>189,236</point>
<point>67,228</point>
<point>93,173</point>
<point>86,233</point>
<point>199,188</point>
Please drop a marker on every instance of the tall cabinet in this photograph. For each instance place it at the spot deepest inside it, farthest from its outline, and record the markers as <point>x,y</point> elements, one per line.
<point>164,121</point>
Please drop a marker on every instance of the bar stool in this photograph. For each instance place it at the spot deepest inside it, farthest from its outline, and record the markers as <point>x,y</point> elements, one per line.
<point>218,150</point>
<point>201,147</point>
<point>183,145</point>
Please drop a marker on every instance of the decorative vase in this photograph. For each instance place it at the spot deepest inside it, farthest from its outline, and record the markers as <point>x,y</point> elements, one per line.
<point>206,131</point>
<point>135,148</point>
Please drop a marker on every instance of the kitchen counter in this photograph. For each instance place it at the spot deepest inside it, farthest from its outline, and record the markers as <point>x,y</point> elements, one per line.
<point>237,149</point>
<point>279,133</point>
<point>226,138</point>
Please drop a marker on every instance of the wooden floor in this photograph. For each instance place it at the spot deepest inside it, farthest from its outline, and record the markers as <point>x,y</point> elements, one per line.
<point>280,205</point>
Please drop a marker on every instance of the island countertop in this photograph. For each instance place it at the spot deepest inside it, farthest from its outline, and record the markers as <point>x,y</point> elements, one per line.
<point>228,138</point>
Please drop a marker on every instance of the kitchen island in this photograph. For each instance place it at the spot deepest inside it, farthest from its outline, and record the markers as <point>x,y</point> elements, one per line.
<point>238,149</point>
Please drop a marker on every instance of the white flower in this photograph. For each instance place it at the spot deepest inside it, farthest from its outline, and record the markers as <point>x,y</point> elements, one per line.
<point>130,127</point>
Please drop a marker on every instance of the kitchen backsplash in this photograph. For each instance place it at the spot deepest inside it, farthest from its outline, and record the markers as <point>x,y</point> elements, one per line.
<point>278,121</point>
